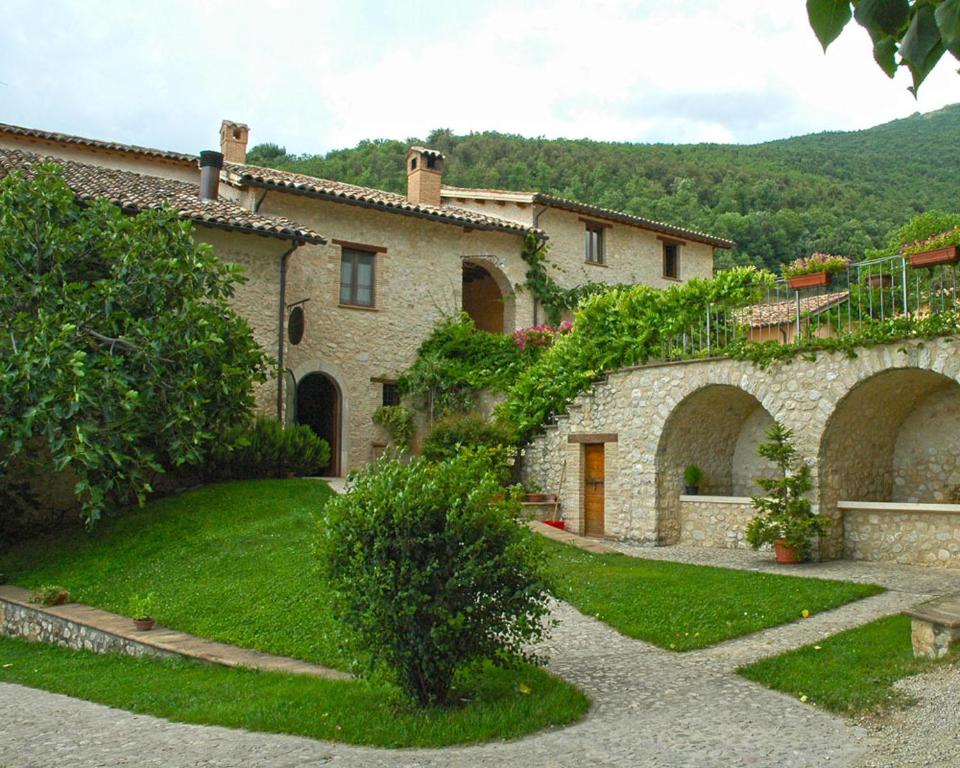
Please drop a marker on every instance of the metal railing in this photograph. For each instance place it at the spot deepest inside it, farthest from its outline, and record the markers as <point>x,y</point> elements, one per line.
<point>866,292</point>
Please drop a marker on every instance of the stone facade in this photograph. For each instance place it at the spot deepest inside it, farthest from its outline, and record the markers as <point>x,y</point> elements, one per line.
<point>714,521</point>
<point>38,625</point>
<point>858,423</point>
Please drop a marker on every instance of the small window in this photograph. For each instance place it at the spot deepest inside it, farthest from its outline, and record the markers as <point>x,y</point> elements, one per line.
<point>671,261</point>
<point>431,161</point>
<point>594,244</point>
<point>391,393</point>
<point>295,325</point>
<point>413,163</point>
<point>356,277</point>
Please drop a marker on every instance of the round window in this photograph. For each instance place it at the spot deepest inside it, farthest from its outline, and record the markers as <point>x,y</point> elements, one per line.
<point>295,325</point>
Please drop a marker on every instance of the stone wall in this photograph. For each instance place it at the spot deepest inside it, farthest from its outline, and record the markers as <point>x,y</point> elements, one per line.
<point>715,521</point>
<point>35,624</point>
<point>926,459</point>
<point>851,417</point>
<point>910,536</point>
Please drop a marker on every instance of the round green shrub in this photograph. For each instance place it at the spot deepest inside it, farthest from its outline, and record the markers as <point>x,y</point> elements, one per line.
<point>267,448</point>
<point>431,572</point>
<point>452,433</point>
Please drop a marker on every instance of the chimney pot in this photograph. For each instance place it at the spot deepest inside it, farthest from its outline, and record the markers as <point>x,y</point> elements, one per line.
<point>233,141</point>
<point>210,164</point>
<point>424,176</point>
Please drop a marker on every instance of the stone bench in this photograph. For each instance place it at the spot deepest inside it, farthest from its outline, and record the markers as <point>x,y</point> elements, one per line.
<point>935,625</point>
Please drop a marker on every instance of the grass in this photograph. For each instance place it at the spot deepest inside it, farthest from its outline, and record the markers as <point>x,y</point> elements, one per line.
<point>683,607</point>
<point>852,672</point>
<point>497,704</point>
<point>234,562</point>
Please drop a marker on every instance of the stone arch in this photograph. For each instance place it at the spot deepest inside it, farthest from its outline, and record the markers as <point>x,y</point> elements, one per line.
<point>336,407</point>
<point>487,295</point>
<point>893,437</point>
<point>717,427</point>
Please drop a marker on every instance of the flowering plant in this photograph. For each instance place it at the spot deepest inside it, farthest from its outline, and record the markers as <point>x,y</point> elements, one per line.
<point>817,262</point>
<point>540,335</point>
<point>942,240</point>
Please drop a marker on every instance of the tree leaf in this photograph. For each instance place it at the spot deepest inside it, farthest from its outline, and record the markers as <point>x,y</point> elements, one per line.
<point>947,16</point>
<point>884,51</point>
<point>921,47</point>
<point>882,17</point>
<point>828,18</point>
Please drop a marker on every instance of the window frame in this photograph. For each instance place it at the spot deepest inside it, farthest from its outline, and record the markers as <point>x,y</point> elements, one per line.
<point>594,228</point>
<point>667,246</point>
<point>389,393</point>
<point>353,255</point>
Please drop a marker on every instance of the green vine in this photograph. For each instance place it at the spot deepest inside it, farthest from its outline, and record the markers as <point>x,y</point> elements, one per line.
<point>552,297</point>
<point>398,421</point>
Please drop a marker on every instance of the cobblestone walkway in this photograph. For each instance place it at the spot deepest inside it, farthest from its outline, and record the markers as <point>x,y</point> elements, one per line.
<point>652,708</point>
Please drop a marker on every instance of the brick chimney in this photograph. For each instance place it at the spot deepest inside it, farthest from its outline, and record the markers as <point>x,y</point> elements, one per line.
<point>424,174</point>
<point>233,141</point>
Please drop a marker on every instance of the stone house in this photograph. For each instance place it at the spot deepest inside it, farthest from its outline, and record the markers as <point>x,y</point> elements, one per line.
<point>344,282</point>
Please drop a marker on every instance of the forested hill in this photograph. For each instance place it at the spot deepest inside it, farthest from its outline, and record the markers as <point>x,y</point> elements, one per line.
<point>838,192</point>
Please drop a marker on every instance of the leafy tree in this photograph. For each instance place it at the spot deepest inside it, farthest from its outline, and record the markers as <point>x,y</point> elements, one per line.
<point>267,155</point>
<point>120,355</point>
<point>432,572</point>
<point>918,31</point>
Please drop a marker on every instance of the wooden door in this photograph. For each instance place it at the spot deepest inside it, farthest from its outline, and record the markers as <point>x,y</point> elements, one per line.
<point>593,489</point>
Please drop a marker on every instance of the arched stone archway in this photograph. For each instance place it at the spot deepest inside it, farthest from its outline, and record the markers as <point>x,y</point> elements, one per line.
<point>487,296</point>
<point>894,437</point>
<point>319,406</point>
<point>718,427</point>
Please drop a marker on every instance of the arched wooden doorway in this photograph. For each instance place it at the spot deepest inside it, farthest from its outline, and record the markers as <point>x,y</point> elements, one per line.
<point>484,299</point>
<point>319,406</point>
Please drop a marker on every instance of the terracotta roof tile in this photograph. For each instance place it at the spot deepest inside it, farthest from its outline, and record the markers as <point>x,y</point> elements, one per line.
<point>135,192</point>
<point>781,312</point>
<point>66,138</point>
<point>298,183</point>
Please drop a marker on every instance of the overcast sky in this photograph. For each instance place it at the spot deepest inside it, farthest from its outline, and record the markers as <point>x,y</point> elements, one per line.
<point>315,76</point>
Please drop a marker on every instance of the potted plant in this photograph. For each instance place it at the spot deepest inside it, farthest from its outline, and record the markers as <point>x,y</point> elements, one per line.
<point>692,478</point>
<point>50,594</point>
<point>815,270</point>
<point>141,610</point>
<point>784,516</point>
<point>934,251</point>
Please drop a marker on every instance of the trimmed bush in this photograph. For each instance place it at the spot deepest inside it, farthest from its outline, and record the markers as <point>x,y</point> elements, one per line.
<point>452,433</point>
<point>265,448</point>
<point>431,571</point>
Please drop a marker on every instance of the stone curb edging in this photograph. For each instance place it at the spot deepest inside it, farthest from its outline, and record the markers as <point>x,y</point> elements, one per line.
<point>84,627</point>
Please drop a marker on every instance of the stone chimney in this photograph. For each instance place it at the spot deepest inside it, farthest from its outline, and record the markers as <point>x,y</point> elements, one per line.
<point>424,175</point>
<point>233,141</point>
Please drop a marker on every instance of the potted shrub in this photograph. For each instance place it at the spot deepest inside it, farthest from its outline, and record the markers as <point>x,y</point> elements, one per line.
<point>934,251</point>
<point>784,516</point>
<point>141,611</point>
<point>815,270</point>
<point>50,594</point>
<point>692,478</point>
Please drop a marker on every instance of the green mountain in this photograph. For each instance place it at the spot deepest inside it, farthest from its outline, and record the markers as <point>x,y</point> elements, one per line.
<point>838,192</point>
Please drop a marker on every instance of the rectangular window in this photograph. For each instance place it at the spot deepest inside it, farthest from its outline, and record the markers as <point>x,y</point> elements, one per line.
<point>391,393</point>
<point>671,261</point>
<point>593,244</point>
<point>356,277</point>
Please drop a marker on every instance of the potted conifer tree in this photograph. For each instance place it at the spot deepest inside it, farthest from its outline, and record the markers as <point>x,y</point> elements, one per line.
<point>784,516</point>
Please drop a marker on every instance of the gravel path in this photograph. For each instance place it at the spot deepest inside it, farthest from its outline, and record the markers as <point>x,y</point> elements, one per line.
<point>652,708</point>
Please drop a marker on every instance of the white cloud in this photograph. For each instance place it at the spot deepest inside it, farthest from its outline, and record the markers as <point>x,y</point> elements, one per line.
<point>315,76</point>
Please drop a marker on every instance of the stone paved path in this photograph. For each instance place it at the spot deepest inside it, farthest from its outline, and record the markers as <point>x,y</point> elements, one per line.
<point>652,708</point>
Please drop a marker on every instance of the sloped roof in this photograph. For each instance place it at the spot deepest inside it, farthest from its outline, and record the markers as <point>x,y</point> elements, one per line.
<point>134,192</point>
<point>338,191</point>
<point>595,211</point>
<point>781,312</point>
<point>66,138</point>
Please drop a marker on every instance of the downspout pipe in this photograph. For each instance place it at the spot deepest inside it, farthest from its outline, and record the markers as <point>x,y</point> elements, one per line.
<point>281,323</point>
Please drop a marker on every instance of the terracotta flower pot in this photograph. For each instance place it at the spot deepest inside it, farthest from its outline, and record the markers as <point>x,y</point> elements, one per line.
<point>144,625</point>
<point>810,280</point>
<point>541,498</point>
<point>948,255</point>
<point>785,555</point>
<point>62,597</point>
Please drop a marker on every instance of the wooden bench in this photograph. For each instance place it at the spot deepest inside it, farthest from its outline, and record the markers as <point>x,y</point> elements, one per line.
<point>935,625</point>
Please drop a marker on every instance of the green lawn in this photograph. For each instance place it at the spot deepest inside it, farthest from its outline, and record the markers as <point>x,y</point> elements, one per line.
<point>850,672</point>
<point>683,607</point>
<point>498,704</point>
<point>234,562</point>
